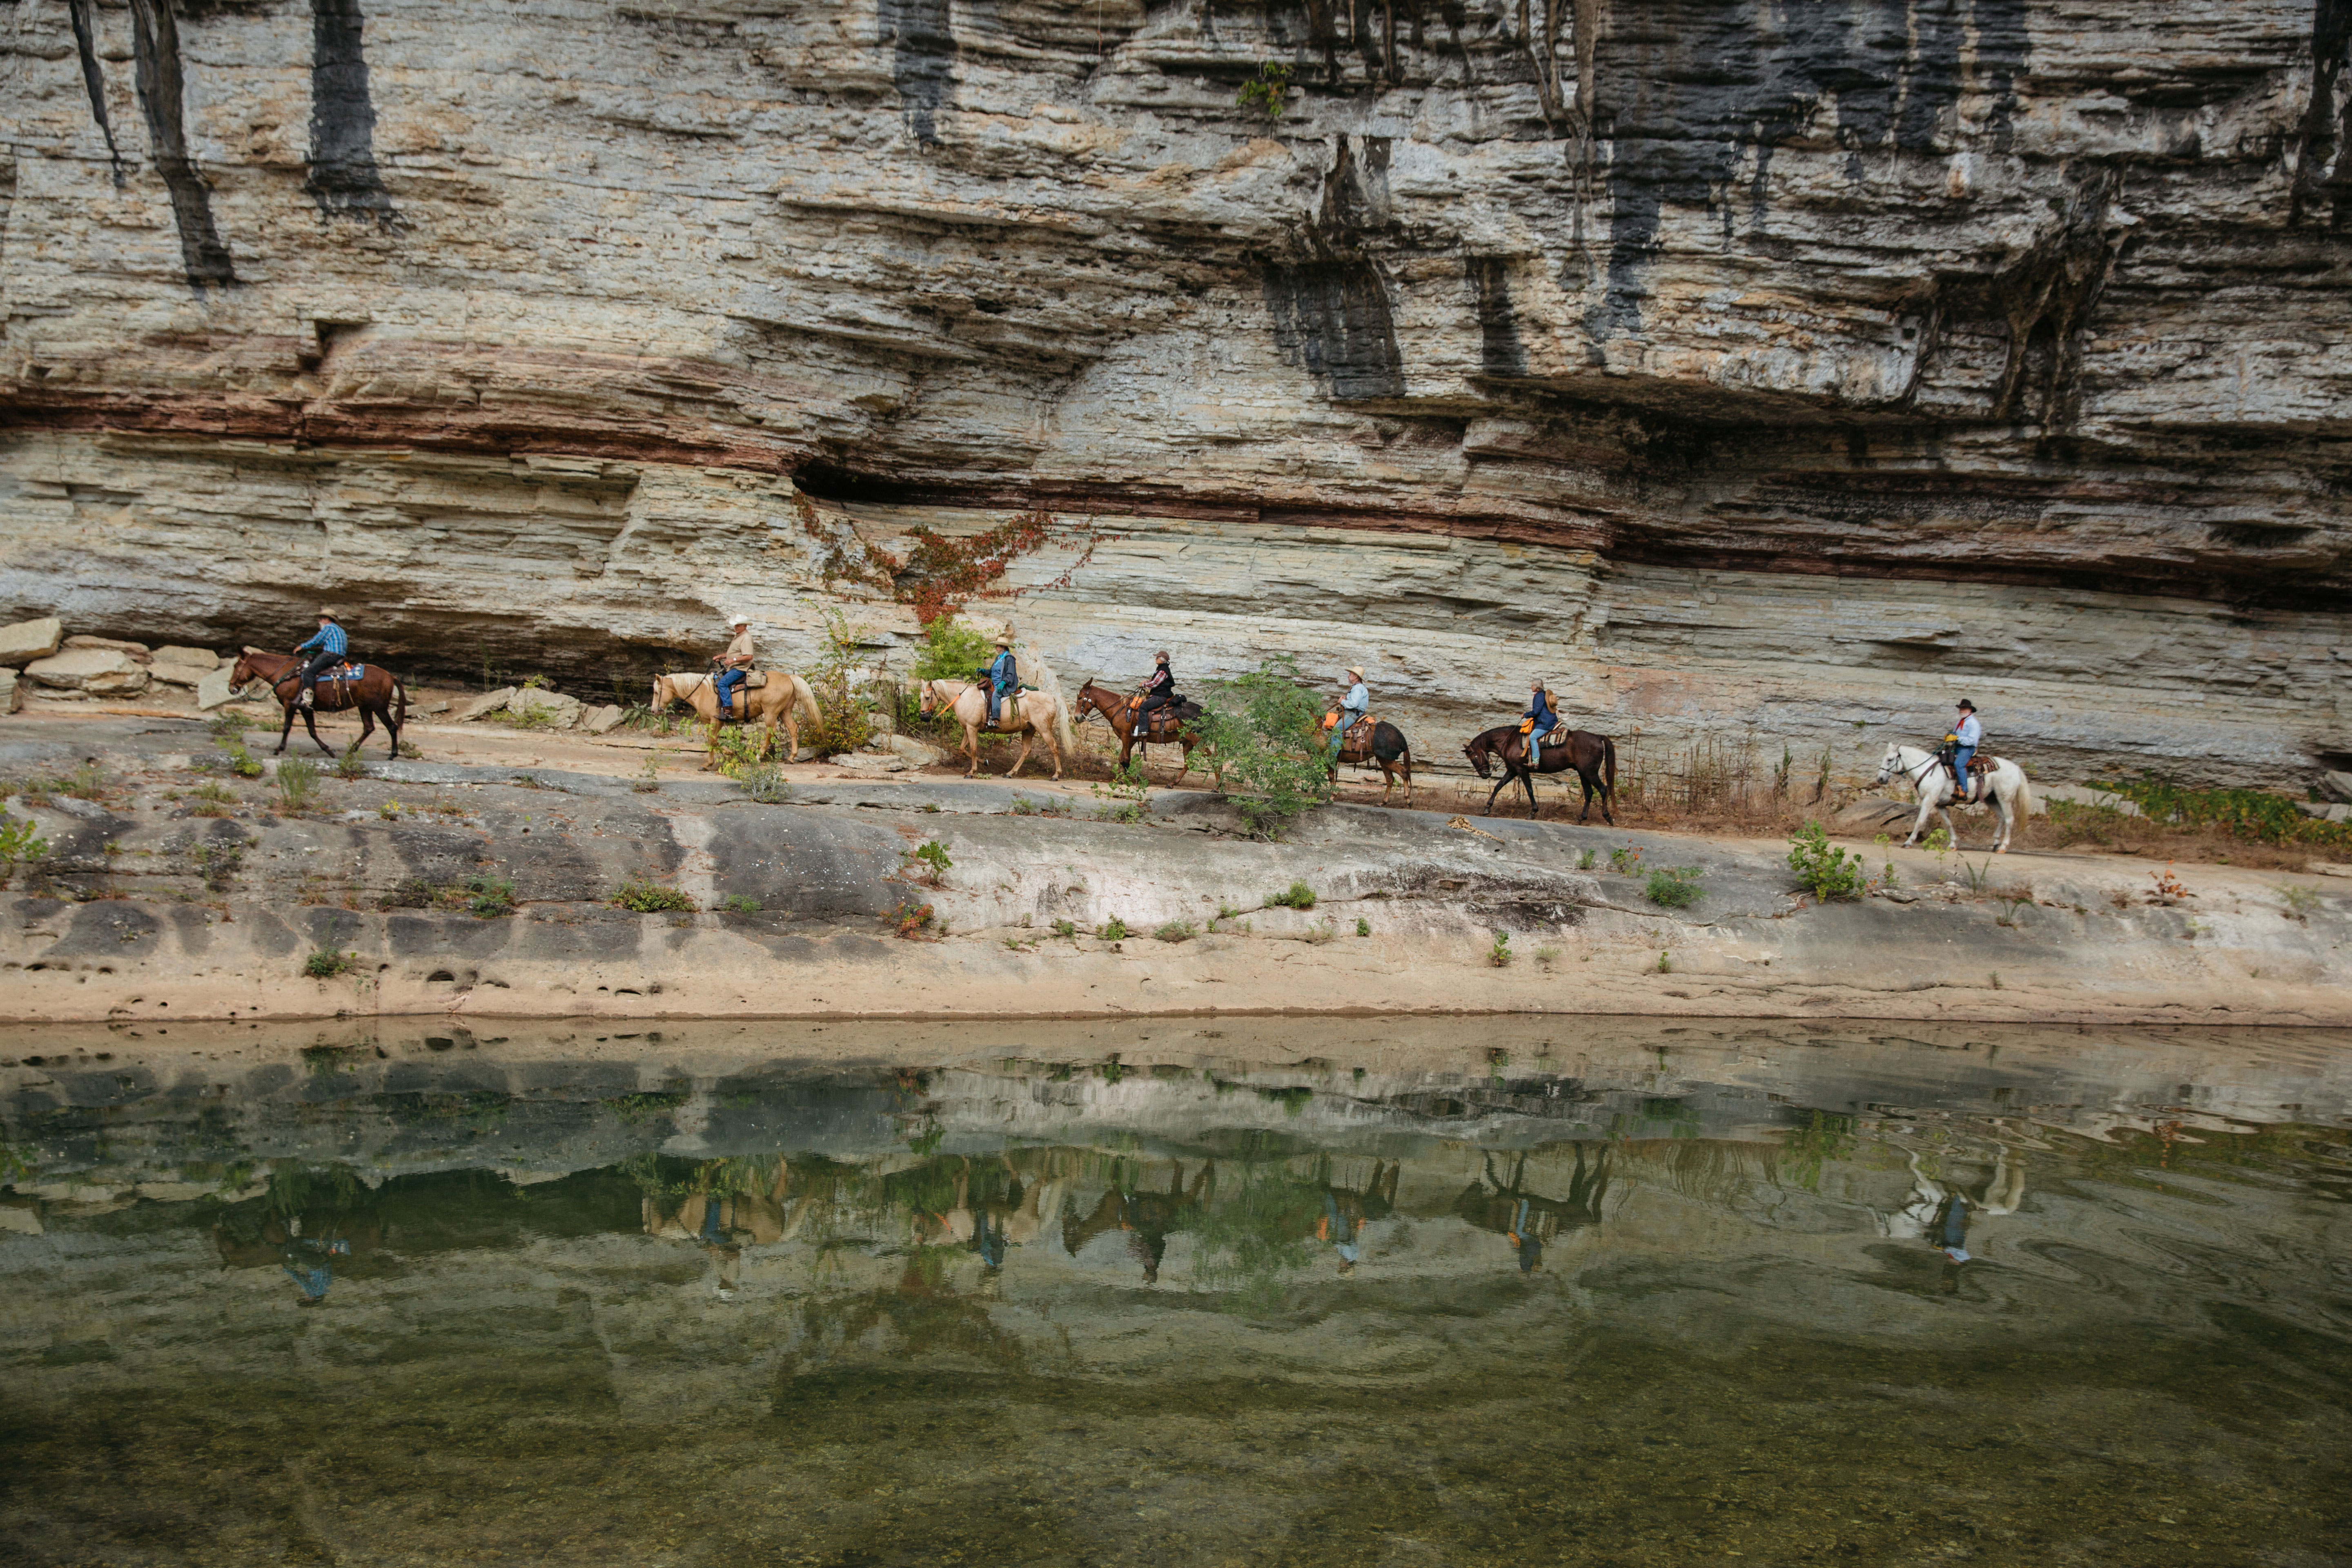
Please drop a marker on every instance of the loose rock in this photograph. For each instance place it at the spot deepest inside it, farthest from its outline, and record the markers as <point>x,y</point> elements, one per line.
<point>99,671</point>
<point>28,640</point>
<point>215,689</point>
<point>137,650</point>
<point>601,721</point>
<point>485,705</point>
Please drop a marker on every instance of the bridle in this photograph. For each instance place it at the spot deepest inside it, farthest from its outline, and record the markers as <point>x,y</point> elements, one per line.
<point>1914,775</point>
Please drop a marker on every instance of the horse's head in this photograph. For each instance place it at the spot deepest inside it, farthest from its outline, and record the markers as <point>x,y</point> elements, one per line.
<point>663,696</point>
<point>932,701</point>
<point>1888,763</point>
<point>1476,751</point>
<point>1093,699</point>
<point>244,674</point>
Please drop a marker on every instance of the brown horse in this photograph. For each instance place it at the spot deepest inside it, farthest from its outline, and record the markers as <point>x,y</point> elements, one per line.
<point>1172,728</point>
<point>378,694</point>
<point>1373,742</point>
<point>1594,758</point>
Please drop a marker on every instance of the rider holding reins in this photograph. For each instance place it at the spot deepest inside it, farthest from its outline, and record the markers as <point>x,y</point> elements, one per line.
<point>1158,692</point>
<point>1352,708</point>
<point>1538,721</point>
<point>1961,745</point>
<point>326,649</point>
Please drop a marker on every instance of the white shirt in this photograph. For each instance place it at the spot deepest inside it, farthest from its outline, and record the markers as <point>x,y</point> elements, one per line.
<point>1970,731</point>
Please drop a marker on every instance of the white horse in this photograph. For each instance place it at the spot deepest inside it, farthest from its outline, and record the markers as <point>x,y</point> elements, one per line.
<point>1931,782</point>
<point>1027,714</point>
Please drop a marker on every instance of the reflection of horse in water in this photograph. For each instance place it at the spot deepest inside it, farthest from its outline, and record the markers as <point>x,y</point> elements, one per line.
<point>725,1221</point>
<point>1148,1218</point>
<point>1347,1210</point>
<point>1939,1212</point>
<point>1530,1219</point>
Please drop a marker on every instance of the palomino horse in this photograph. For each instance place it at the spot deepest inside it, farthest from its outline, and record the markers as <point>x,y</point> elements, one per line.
<point>1594,758</point>
<point>1026,714</point>
<point>1931,782</point>
<point>785,696</point>
<point>1102,700</point>
<point>378,694</point>
<point>1379,744</point>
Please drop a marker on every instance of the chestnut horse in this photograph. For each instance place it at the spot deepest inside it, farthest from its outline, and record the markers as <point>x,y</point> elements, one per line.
<point>783,695</point>
<point>1102,700</point>
<point>1594,758</point>
<point>1374,743</point>
<point>378,694</point>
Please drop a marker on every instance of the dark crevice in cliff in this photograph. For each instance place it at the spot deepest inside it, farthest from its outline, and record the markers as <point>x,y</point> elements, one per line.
<point>343,176</point>
<point>155,44</point>
<point>2323,174</point>
<point>922,59</point>
<point>93,79</point>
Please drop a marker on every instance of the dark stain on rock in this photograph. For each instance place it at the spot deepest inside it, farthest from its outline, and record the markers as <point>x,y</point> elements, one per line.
<point>1689,92</point>
<point>457,936</point>
<point>2323,174</point>
<point>155,46</point>
<point>1500,352</point>
<point>107,930</point>
<point>922,59</point>
<point>269,935</point>
<point>1333,317</point>
<point>93,79</point>
<point>192,928</point>
<point>344,179</point>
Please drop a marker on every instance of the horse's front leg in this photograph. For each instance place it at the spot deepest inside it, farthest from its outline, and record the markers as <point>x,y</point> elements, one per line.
<point>1496,791</point>
<point>1919,828</point>
<point>1528,778</point>
<point>1014,771</point>
<point>284,732</point>
<point>971,745</point>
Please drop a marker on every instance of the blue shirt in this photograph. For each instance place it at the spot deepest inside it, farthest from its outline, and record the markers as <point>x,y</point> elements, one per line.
<point>1357,699</point>
<point>1969,732</point>
<point>331,639</point>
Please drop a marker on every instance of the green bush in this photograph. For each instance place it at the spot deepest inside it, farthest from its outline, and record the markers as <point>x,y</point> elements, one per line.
<point>1676,887</point>
<point>650,898</point>
<point>952,650</point>
<point>741,904</point>
<point>1499,955</point>
<point>298,785</point>
<point>1177,931</point>
<point>1297,896</point>
<point>931,856</point>
<point>1113,930</point>
<point>1825,872</point>
<point>2242,812</point>
<point>1264,94</point>
<point>487,897</point>
<point>1261,735</point>
<point>1363,926</point>
<point>326,964</point>
<point>20,840</point>
<point>1066,927</point>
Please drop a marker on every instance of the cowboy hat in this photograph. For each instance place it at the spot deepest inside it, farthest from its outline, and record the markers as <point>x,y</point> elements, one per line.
<point>1357,670</point>
<point>326,615</point>
<point>1003,640</point>
<point>738,620</point>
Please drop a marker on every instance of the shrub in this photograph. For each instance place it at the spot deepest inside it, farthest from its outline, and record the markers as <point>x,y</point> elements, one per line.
<point>20,840</point>
<point>1363,926</point>
<point>1499,955</point>
<point>950,651</point>
<point>1823,872</point>
<point>764,782</point>
<point>243,762</point>
<point>349,764</point>
<point>487,897</point>
<point>1066,927</point>
<point>326,964</point>
<point>848,708</point>
<point>1177,931</point>
<point>298,785</point>
<point>1625,860</point>
<point>647,898</point>
<point>1113,930</point>
<point>1264,94</point>
<point>2242,812</point>
<point>1260,731</point>
<point>1675,886</point>
<point>1297,896</point>
<point>932,856</point>
<point>741,904</point>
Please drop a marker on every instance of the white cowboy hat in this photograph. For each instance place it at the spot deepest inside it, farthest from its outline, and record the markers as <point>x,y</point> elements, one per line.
<point>738,620</point>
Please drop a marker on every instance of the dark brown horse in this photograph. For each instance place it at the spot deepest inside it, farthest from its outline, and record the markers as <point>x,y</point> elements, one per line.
<point>378,694</point>
<point>1594,758</point>
<point>1371,744</point>
<point>1171,727</point>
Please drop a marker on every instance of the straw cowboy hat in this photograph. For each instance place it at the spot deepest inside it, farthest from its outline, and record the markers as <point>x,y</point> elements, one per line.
<point>1357,670</point>
<point>1004,640</point>
<point>326,615</point>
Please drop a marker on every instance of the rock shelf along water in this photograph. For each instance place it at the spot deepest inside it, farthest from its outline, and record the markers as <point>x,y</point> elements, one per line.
<point>1375,1290</point>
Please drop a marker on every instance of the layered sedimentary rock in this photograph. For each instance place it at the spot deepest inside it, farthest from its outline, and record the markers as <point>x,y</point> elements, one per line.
<point>1732,364</point>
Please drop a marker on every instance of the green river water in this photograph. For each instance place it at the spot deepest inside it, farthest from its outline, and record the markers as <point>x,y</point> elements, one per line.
<point>1299,1292</point>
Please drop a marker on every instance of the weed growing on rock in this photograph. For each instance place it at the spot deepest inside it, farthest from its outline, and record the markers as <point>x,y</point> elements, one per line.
<point>227,726</point>
<point>87,782</point>
<point>1547,956</point>
<point>927,862</point>
<point>326,964</point>
<point>349,765</point>
<point>1822,870</point>
<point>20,840</point>
<point>1675,886</point>
<point>648,779</point>
<point>1297,896</point>
<point>1586,861</point>
<point>1499,955</point>
<point>1625,860</point>
<point>1125,796</point>
<point>741,904</point>
<point>1666,963</point>
<point>1227,912</point>
<point>1113,930</point>
<point>409,749</point>
<point>1321,932</point>
<point>297,785</point>
<point>1066,927</point>
<point>1177,931</point>
<point>1264,94</point>
<point>1363,926</point>
<point>389,810</point>
<point>487,897</point>
<point>2300,901</point>
<point>241,762</point>
<point>1024,806</point>
<point>913,920</point>
<point>647,898</point>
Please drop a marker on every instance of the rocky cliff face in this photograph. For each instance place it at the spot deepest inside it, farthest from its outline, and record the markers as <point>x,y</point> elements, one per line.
<point>1726,362</point>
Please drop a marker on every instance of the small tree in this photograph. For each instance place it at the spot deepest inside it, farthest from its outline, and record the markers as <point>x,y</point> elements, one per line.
<point>1262,733</point>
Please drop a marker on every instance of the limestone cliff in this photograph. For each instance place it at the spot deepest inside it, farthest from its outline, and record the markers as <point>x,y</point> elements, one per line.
<point>1730,364</point>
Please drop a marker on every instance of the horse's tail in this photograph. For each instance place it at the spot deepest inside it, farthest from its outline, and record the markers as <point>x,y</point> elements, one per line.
<point>399,700</point>
<point>1050,685</point>
<point>2024,799</point>
<point>1609,761</point>
<point>804,702</point>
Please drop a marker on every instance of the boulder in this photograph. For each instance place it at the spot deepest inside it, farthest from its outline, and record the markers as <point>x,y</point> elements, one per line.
<point>28,640</point>
<point>484,705</point>
<point>559,712</point>
<point>922,753</point>
<point>214,689</point>
<point>1874,815</point>
<point>99,671</point>
<point>137,650</point>
<point>11,698</point>
<point>193,658</point>
<point>2334,811</point>
<point>603,720</point>
<point>2335,784</point>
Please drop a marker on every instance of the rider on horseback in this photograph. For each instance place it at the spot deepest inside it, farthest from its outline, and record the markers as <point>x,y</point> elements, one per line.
<point>1352,708</point>
<point>330,646</point>
<point>1538,721</point>
<point>734,664</point>
<point>1158,692</point>
<point>1004,676</point>
<point>1960,746</point>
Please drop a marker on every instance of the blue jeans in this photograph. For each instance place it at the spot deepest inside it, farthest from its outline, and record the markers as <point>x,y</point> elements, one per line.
<point>996,696</point>
<point>729,680</point>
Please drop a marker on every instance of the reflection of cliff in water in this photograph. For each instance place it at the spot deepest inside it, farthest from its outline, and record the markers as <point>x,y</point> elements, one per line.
<point>1665,1256</point>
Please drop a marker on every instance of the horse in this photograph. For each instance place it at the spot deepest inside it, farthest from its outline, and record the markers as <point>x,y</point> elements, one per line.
<point>1383,746</point>
<point>1094,699</point>
<point>785,695</point>
<point>378,694</point>
<point>1027,714</point>
<point>1594,758</point>
<point>1931,782</point>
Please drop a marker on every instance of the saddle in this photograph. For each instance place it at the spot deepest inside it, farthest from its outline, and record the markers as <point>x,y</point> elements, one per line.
<point>1166,719</point>
<point>344,676</point>
<point>740,707</point>
<point>1361,732</point>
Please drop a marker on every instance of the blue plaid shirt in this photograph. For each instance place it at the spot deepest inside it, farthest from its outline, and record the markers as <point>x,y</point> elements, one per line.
<point>331,639</point>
